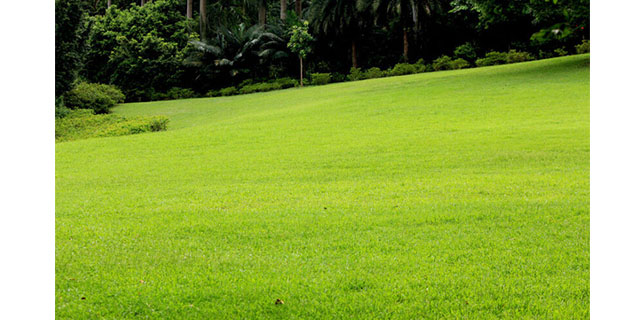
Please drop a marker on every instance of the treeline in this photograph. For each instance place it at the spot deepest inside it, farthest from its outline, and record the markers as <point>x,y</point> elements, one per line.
<point>151,49</point>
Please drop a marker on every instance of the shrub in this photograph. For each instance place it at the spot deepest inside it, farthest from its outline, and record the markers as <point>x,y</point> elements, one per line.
<point>286,82</point>
<point>373,73</point>
<point>492,58</point>
<point>320,78</point>
<point>338,77</point>
<point>355,74</point>
<point>460,64</point>
<point>442,63</point>
<point>466,51</point>
<point>228,91</point>
<point>402,69</point>
<point>514,56</point>
<point>212,93</point>
<point>583,47</point>
<point>98,97</point>
<point>180,93</point>
<point>83,123</point>
<point>260,87</point>
<point>560,52</point>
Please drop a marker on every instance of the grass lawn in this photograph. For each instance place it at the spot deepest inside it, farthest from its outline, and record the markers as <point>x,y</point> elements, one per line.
<point>457,194</point>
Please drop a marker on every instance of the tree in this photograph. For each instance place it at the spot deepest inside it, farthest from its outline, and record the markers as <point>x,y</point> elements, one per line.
<point>237,51</point>
<point>189,9</point>
<point>300,44</point>
<point>283,10</point>
<point>409,13</point>
<point>70,42</point>
<point>203,19</point>
<point>262,12</point>
<point>339,18</point>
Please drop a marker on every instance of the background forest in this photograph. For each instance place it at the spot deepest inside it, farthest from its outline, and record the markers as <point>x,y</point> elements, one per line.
<point>167,49</point>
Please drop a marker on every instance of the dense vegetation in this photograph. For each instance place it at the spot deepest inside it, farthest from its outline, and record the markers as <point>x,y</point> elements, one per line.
<point>446,195</point>
<point>166,48</point>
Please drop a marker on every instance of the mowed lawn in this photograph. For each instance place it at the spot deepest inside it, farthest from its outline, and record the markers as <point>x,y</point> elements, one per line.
<point>445,195</point>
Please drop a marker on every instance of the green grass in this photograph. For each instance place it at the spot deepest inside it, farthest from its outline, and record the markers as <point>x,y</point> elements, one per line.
<point>457,194</point>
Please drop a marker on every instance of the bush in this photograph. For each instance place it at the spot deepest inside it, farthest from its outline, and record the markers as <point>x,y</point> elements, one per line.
<point>83,123</point>
<point>320,78</point>
<point>583,47</point>
<point>338,77</point>
<point>514,56</point>
<point>355,74</point>
<point>260,87</point>
<point>402,69</point>
<point>492,58</point>
<point>442,63</point>
<point>287,82</point>
<point>97,97</point>
<point>466,52</point>
<point>460,64</point>
<point>180,93</point>
<point>560,52</point>
<point>228,91</point>
<point>373,73</point>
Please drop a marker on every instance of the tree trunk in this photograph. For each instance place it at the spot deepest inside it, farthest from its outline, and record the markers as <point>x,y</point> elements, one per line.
<point>108,4</point>
<point>301,84</point>
<point>189,9</point>
<point>203,20</point>
<point>405,39</point>
<point>262,13</point>
<point>299,8</point>
<point>283,10</point>
<point>142,2</point>
<point>354,55</point>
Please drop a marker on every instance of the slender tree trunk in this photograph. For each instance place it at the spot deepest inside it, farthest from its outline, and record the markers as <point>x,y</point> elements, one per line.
<point>301,84</point>
<point>262,13</point>
<point>354,55</point>
<point>405,40</point>
<point>142,2</point>
<point>299,8</point>
<point>189,9</point>
<point>283,10</point>
<point>203,20</point>
<point>108,4</point>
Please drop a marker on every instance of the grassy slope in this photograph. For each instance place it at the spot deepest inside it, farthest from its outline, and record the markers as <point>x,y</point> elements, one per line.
<point>461,194</point>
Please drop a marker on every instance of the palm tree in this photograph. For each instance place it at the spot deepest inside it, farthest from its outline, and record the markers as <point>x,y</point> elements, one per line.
<point>203,19</point>
<point>409,12</point>
<point>239,49</point>
<point>283,10</point>
<point>262,12</point>
<point>339,18</point>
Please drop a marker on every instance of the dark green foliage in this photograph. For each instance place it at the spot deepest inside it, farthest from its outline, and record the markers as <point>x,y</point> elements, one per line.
<point>70,42</point>
<point>514,56</point>
<point>460,64</point>
<point>320,78</point>
<point>140,49</point>
<point>583,47</point>
<point>492,58</point>
<point>260,87</point>
<point>404,68</point>
<point>466,52</point>
<point>286,82</point>
<point>83,123</point>
<point>338,77</point>
<point>442,63</point>
<point>174,94</point>
<point>560,52</point>
<point>355,74</point>
<point>373,73</point>
<point>228,91</point>
<point>98,97</point>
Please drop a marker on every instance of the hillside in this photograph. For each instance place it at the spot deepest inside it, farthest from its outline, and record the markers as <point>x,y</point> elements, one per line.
<point>456,194</point>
